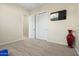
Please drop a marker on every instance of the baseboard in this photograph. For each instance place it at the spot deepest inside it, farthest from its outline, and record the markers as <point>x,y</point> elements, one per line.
<point>9,42</point>
<point>57,43</point>
<point>77,51</point>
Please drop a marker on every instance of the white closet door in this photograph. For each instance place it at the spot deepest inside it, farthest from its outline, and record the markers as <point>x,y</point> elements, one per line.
<point>42,26</point>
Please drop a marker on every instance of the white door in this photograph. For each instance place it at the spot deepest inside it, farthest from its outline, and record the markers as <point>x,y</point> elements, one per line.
<point>42,26</point>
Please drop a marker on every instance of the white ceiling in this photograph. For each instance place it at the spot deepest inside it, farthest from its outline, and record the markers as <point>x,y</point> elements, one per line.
<point>30,6</point>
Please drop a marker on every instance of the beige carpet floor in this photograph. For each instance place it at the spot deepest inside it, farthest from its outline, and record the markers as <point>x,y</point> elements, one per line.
<point>31,47</point>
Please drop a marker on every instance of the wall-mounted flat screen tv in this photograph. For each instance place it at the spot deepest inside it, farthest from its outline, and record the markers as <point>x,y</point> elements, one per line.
<point>59,15</point>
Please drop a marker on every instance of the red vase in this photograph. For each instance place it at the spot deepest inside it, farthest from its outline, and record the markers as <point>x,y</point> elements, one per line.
<point>70,39</point>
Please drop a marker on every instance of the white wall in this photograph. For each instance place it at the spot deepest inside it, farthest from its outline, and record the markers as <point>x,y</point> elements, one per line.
<point>31,19</point>
<point>25,24</point>
<point>77,27</point>
<point>11,23</point>
<point>58,29</point>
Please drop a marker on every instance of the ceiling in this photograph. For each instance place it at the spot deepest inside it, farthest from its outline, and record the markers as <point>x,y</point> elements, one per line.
<point>30,6</point>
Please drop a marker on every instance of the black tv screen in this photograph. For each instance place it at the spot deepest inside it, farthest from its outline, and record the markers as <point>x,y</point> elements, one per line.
<point>59,15</point>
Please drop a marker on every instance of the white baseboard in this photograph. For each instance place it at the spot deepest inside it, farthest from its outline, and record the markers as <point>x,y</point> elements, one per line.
<point>77,51</point>
<point>57,42</point>
<point>9,42</point>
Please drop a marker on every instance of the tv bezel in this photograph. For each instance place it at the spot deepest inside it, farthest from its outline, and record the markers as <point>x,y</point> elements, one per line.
<point>61,16</point>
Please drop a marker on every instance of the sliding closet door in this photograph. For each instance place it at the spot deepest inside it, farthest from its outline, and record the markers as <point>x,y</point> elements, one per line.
<point>42,26</point>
